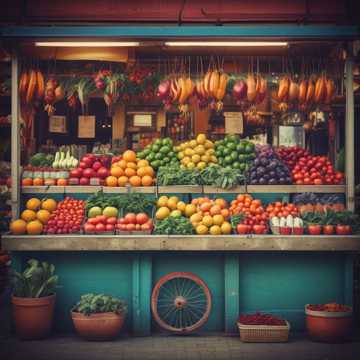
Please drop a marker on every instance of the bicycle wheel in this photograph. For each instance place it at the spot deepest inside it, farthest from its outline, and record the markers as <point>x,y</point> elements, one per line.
<point>181,302</point>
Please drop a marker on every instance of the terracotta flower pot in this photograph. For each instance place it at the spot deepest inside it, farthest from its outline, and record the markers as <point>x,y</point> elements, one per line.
<point>103,326</point>
<point>326,326</point>
<point>33,316</point>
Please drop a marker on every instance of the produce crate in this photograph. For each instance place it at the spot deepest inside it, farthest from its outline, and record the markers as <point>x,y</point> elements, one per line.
<point>264,333</point>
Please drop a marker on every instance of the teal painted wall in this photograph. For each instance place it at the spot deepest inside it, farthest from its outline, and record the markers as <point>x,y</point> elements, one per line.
<point>281,283</point>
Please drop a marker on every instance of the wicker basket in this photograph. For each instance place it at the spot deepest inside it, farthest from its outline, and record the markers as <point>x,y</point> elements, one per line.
<point>264,333</point>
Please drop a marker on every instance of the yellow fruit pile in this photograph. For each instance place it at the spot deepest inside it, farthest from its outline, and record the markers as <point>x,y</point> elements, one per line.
<point>34,217</point>
<point>172,206</point>
<point>211,216</point>
<point>197,153</point>
<point>130,170</point>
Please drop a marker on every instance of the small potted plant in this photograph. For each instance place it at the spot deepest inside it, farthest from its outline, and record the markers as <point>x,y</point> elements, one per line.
<point>98,316</point>
<point>33,300</point>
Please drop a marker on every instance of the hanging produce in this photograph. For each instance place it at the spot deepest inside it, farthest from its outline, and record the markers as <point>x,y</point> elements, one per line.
<point>53,92</point>
<point>240,92</point>
<point>84,88</point>
<point>31,92</point>
<point>320,90</point>
<point>211,89</point>
<point>182,89</point>
<point>113,84</point>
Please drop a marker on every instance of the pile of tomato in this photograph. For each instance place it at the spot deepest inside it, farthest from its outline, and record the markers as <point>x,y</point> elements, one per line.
<point>332,307</point>
<point>255,217</point>
<point>67,218</point>
<point>280,209</point>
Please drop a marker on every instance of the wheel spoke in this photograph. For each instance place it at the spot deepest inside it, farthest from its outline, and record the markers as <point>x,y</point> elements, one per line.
<point>168,291</point>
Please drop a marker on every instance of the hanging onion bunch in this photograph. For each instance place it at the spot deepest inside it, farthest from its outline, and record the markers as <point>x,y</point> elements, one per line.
<point>163,93</point>
<point>54,92</point>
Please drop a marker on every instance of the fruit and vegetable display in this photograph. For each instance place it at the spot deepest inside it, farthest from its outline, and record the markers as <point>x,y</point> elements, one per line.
<point>101,220</point>
<point>130,171</point>
<point>221,177</point>
<point>211,216</point>
<point>92,170</point>
<point>196,153</point>
<point>159,153</point>
<point>331,222</point>
<point>268,169</point>
<point>235,153</point>
<point>176,175</point>
<point>260,319</point>
<point>136,213</point>
<point>67,218</point>
<point>172,206</point>
<point>287,225</point>
<point>135,223</point>
<point>309,170</point>
<point>173,225</point>
<point>253,217</point>
<point>34,219</point>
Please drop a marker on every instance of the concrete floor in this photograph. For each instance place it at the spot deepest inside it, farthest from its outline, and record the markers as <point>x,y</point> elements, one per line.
<point>173,348</point>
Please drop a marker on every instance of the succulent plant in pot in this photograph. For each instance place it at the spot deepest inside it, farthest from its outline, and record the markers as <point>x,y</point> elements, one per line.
<point>99,316</point>
<point>33,299</point>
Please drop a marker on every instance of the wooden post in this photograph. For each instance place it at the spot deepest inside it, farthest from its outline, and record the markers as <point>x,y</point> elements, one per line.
<point>349,135</point>
<point>15,138</point>
<point>141,294</point>
<point>232,296</point>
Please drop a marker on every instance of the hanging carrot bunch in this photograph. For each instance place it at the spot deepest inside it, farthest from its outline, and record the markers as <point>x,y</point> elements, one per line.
<point>31,92</point>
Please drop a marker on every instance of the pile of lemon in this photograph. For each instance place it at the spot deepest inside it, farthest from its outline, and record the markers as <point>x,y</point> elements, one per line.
<point>172,206</point>
<point>197,153</point>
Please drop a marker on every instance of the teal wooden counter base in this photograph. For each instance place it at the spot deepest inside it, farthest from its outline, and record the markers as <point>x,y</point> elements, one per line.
<point>277,282</point>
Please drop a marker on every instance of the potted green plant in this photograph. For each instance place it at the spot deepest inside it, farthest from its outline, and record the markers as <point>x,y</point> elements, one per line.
<point>33,299</point>
<point>98,316</point>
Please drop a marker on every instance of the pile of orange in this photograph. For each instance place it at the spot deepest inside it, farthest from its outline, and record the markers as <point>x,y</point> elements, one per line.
<point>34,217</point>
<point>130,170</point>
<point>211,216</point>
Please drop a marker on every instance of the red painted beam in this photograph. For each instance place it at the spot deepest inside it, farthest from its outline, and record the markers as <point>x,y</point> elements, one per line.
<point>193,11</point>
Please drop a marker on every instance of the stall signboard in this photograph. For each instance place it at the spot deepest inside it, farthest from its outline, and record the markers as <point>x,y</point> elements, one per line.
<point>57,124</point>
<point>291,136</point>
<point>234,122</point>
<point>143,120</point>
<point>86,127</point>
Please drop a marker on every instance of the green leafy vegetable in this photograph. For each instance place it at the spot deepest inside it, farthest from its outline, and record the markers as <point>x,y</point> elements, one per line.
<point>175,175</point>
<point>225,178</point>
<point>174,226</point>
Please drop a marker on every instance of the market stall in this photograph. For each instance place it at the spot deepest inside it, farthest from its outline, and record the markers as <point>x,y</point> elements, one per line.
<point>228,164</point>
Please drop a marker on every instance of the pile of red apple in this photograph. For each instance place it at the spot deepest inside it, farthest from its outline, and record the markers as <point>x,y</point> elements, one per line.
<point>92,170</point>
<point>135,222</point>
<point>100,224</point>
<point>307,169</point>
<point>67,218</point>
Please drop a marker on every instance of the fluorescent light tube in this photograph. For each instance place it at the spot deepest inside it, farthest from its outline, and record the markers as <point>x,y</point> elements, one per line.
<point>87,43</point>
<point>227,43</point>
